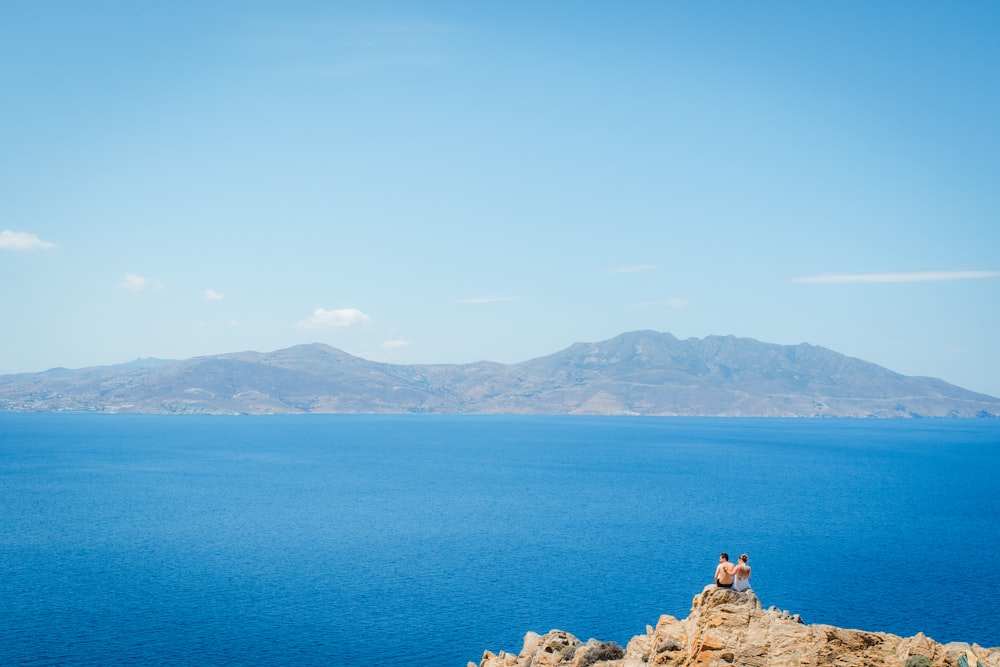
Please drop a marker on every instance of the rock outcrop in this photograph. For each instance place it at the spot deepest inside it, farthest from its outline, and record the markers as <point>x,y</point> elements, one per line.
<point>728,628</point>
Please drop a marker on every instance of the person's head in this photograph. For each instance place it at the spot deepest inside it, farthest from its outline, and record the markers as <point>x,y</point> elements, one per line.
<point>743,558</point>
<point>724,556</point>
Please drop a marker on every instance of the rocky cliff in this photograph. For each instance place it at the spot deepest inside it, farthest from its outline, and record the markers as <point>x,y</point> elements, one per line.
<point>727,628</point>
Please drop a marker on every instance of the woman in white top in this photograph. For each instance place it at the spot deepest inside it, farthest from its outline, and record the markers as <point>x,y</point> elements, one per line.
<point>742,580</point>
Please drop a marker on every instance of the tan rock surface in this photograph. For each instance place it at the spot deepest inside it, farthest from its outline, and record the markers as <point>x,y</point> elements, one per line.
<point>727,628</point>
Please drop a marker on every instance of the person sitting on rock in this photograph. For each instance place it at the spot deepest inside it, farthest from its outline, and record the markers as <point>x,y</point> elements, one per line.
<point>724,572</point>
<point>742,581</point>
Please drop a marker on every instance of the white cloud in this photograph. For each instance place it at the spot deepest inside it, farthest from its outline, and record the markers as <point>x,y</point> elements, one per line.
<point>911,277</point>
<point>212,295</point>
<point>133,282</point>
<point>632,268</point>
<point>671,302</point>
<point>22,241</point>
<point>488,299</point>
<point>342,317</point>
<point>395,344</point>
<point>234,324</point>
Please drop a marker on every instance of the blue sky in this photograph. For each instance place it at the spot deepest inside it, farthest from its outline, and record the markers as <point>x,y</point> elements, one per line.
<point>451,182</point>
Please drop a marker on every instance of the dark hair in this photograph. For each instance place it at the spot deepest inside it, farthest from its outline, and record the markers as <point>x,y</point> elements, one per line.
<point>743,558</point>
<point>724,555</point>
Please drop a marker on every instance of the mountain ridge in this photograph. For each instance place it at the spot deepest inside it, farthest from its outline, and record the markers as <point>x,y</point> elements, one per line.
<point>634,373</point>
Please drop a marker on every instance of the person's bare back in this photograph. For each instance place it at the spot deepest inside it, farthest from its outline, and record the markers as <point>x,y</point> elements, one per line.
<point>724,572</point>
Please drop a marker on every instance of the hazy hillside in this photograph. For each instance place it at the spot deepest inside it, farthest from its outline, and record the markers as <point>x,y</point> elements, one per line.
<point>638,373</point>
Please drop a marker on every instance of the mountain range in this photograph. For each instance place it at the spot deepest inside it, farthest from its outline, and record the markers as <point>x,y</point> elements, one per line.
<point>636,373</point>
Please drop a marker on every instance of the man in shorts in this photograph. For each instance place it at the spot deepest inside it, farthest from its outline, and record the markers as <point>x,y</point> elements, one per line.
<point>724,572</point>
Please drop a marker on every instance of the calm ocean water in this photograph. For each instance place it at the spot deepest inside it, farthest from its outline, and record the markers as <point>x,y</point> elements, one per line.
<point>357,540</point>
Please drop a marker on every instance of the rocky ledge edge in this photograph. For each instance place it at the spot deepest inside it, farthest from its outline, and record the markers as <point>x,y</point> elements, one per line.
<point>728,628</point>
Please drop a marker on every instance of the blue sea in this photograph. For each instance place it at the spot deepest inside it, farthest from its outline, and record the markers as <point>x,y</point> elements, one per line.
<point>362,540</point>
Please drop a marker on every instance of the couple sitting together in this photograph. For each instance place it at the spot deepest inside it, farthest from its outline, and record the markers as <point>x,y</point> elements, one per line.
<point>728,575</point>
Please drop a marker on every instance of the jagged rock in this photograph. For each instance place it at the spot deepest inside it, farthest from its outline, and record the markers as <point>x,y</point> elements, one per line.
<point>728,628</point>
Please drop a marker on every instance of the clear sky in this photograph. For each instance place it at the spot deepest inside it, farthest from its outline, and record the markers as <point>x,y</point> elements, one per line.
<point>423,182</point>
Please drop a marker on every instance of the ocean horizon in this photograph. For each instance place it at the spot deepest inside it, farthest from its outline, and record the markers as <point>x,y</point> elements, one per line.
<point>360,539</point>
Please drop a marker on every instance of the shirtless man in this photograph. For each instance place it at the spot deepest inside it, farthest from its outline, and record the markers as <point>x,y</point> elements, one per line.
<point>724,572</point>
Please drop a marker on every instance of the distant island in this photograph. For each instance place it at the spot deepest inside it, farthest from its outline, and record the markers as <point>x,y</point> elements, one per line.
<point>636,373</point>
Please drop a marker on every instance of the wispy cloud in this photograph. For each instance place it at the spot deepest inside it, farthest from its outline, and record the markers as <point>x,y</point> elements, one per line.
<point>911,277</point>
<point>671,302</point>
<point>133,282</point>
<point>340,317</point>
<point>212,295</point>
<point>631,268</point>
<point>22,241</point>
<point>488,299</point>
<point>395,344</point>
<point>365,65</point>
<point>323,49</point>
